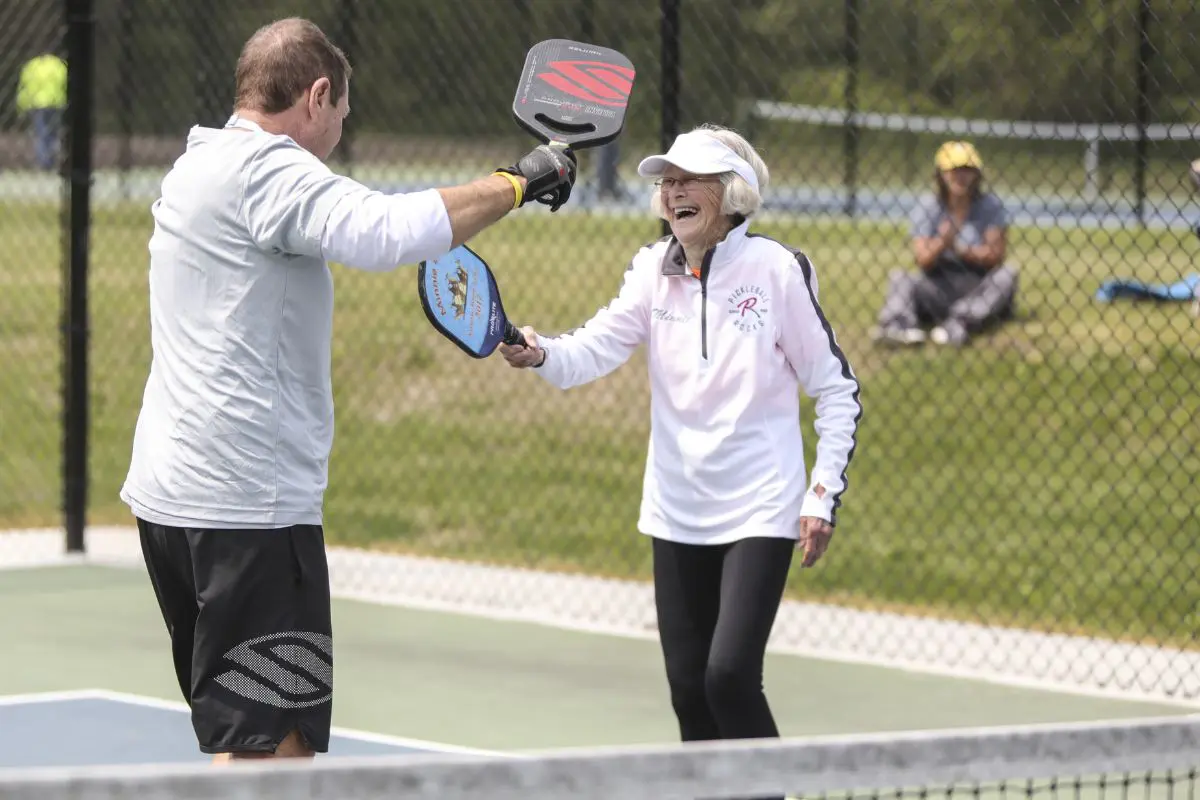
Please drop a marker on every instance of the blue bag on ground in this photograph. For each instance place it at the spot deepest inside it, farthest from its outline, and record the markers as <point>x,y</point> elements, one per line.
<point>1180,291</point>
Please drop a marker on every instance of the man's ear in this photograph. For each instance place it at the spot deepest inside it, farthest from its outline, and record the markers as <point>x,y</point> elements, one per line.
<point>319,95</point>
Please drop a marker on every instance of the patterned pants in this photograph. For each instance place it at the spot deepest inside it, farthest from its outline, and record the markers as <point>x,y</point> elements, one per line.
<point>975,299</point>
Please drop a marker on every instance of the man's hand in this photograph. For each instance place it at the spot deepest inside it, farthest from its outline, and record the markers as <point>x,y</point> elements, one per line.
<point>549,172</point>
<point>531,355</point>
<point>815,534</point>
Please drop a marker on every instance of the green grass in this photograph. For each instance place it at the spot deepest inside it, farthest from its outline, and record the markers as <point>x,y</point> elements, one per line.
<point>1042,477</point>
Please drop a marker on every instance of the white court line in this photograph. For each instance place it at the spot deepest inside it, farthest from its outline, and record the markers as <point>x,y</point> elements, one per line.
<point>46,697</point>
<point>76,695</point>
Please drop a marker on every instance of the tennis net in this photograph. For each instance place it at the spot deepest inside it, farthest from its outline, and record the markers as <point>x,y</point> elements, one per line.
<point>1155,758</point>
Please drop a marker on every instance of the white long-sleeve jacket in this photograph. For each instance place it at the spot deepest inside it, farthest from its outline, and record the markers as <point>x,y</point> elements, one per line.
<point>236,424</point>
<point>728,353</point>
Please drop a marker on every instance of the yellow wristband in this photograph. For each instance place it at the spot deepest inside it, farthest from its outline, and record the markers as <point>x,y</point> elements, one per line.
<point>516,184</point>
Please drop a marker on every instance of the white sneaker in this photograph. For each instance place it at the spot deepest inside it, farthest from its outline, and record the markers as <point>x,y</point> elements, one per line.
<point>952,332</point>
<point>897,335</point>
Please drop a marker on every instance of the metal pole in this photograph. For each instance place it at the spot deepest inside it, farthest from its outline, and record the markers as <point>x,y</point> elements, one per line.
<point>1108,86</point>
<point>348,42</point>
<point>211,84</point>
<point>80,70</point>
<point>913,85</point>
<point>738,105</point>
<point>125,94</point>
<point>525,22</point>
<point>607,155</point>
<point>197,19</point>
<point>671,79</point>
<point>1145,54</point>
<point>1091,167</point>
<point>587,21</point>
<point>1108,59</point>
<point>850,130</point>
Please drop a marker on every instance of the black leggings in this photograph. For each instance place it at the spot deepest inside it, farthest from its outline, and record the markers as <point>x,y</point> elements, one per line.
<point>716,605</point>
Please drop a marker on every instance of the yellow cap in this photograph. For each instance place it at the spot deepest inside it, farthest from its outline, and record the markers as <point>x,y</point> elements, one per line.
<point>957,154</point>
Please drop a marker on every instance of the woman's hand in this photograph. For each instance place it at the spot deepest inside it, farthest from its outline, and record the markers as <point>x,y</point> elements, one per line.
<point>530,355</point>
<point>815,534</point>
<point>947,231</point>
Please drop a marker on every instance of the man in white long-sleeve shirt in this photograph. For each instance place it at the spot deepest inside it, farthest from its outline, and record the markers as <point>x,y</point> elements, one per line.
<point>734,331</point>
<point>231,452</point>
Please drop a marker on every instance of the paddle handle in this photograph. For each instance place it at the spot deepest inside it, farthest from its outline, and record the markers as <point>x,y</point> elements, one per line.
<point>512,335</point>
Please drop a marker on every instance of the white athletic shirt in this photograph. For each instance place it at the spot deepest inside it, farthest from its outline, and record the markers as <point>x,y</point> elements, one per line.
<point>236,423</point>
<point>728,354</point>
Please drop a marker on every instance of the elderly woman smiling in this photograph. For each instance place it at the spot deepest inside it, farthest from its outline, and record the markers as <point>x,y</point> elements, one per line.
<point>734,331</point>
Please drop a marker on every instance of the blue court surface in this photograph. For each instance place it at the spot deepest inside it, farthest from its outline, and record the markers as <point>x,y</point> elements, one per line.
<point>98,727</point>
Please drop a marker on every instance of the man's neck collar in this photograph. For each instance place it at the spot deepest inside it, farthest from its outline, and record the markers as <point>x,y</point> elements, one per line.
<point>256,121</point>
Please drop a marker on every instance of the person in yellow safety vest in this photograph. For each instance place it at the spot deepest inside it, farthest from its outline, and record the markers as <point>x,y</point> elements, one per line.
<point>42,96</point>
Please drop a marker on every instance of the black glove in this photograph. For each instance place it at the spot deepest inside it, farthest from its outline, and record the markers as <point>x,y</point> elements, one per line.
<point>549,171</point>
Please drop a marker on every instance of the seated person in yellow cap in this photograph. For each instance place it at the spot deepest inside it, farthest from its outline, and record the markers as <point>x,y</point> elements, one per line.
<point>959,242</point>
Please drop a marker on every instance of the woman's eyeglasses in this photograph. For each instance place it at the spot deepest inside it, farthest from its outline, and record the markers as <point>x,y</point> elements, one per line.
<point>671,184</point>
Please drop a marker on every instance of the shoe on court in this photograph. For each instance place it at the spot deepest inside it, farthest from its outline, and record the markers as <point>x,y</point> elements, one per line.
<point>951,332</point>
<point>898,335</point>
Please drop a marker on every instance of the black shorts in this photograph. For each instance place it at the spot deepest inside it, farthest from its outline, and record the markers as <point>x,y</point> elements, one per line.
<point>248,614</point>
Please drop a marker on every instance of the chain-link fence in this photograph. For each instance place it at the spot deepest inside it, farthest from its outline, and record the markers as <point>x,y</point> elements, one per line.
<point>31,284</point>
<point>1042,477</point>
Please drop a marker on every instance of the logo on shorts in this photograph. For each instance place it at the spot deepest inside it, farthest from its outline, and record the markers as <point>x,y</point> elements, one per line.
<point>284,670</point>
<point>748,308</point>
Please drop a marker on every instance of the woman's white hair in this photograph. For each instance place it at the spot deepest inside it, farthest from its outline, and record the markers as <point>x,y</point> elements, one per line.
<point>738,197</point>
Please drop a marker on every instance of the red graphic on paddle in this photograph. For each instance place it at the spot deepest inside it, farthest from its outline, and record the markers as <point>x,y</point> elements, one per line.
<point>592,81</point>
<point>573,93</point>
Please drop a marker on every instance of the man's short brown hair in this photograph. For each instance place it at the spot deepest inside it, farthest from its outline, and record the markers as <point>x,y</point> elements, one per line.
<point>282,60</point>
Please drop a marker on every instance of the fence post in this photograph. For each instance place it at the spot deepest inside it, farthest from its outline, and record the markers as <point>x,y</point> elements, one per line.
<point>912,84</point>
<point>1108,63</point>
<point>607,155</point>
<point>347,40</point>
<point>1091,165</point>
<point>125,94</point>
<point>196,20</point>
<point>1145,54</point>
<point>670,83</point>
<point>211,83</point>
<point>850,131</point>
<point>80,39</point>
<point>525,22</point>
<point>587,21</point>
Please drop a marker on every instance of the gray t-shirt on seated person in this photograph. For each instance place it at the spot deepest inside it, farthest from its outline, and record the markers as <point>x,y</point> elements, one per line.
<point>986,212</point>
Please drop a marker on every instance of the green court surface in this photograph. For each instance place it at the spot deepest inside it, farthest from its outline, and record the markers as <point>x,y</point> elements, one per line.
<point>482,683</point>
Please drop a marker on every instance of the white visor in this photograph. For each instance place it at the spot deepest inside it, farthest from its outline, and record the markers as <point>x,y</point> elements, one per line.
<point>699,154</point>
